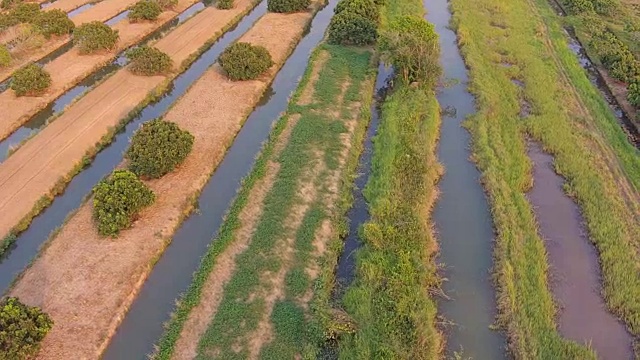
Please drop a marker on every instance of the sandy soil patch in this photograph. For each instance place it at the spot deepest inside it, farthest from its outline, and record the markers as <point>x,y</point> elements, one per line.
<point>71,68</point>
<point>212,293</point>
<point>85,282</point>
<point>33,170</point>
<point>100,12</point>
<point>308,92</point>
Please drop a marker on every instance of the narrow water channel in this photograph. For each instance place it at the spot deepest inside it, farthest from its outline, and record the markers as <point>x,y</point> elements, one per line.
<point>173,272</point>
<point>28,243</point>
<point>358,214</point>
<point>79,10</point>
<point>462,218</point>
<point>42,118</point>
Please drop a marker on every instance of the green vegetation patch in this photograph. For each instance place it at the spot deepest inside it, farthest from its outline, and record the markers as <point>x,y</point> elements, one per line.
<point>149,61</point>
<point>351,28</point>
<point>167,4</point>
<point>224,4</point>
<point>117,200</point>
<point>157,148</point>
<point>30,80</point>
<point>54,22</point>
<point>288,6</point>
<point>95,36</point>
<point>244,61</point>
<point>5,56</point>
<point>144,10</point>
<point>25,12</point>
<point>22,328</point>
<point>366,8</point>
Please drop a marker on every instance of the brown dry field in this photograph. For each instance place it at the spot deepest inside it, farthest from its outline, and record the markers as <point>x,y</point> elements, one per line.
<point>86,283</point>
<point>35,167</point>
<point>71,68</point>
<point>102,11</point>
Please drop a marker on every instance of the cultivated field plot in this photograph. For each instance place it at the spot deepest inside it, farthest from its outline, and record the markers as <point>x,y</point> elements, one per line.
<point>310,179</point>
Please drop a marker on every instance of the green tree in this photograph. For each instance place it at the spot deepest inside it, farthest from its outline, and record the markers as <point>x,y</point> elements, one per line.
<point>95,36</point>
<point>144,10</point>
<point>149,61</point>
<point>350,28</point>
<point>53,22</point>
<point>30,80</point>
<point>288,6</point>
<point>243,61</point>
<point>5,56</point>
<point>22,328</point>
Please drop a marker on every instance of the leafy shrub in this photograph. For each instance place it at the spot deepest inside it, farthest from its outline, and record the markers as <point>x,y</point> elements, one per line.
<point>243,61</point>
<point>633,94</point>
<point>94,36</point>
<point>149,61</point>
<point>25,12</point>
<point>117,200</point>
<point>615,56</point>
<point>287,6</point>
<point>167,4</point>
<point>7,21</point>
<point>157,148</point>
<point>53,22</point>
<point>366,8</point>
<point>30,80</point>
<point>604,7</point>
<point>224,4</point>
<point>579,6</point>
<point>5,56</point>
<point>22,328</point>
<point>411,46</point>
<point>144,10</point>
<point>7,4</point>
<point>349,28</point>
<point>27,39</point>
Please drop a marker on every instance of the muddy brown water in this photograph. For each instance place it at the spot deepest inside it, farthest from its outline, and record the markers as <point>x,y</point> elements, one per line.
<point>461,214</point>
<point>574,269</point>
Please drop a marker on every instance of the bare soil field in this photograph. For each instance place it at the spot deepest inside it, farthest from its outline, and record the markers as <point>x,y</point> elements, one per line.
<point>67,5</point>
<point>85,282</point>
<point>102,11</point>
<point>71,67</point>
<point>34,169</point>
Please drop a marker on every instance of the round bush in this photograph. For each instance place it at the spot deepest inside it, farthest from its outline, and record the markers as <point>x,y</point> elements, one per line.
<point>144,10</point>
<point>25,12</point>
<point>53,22</point>
<point>633,94</point>
<point>94,36</point>
<point>157,148</point>
<point>22,328</point>
<point>411,46</point>
<point>224,4</point>
<point>149,61</point>
<point>30,80</point>
<point>287,6</point>
<point>167,4</point>
<point>117,200</point>
<point>349,28</point>
<point>243,61</point>
<point>366,8</point>
<point>5,56</point>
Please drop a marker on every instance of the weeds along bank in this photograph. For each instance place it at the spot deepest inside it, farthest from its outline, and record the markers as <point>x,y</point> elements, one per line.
<point>85,62</point>
<point>108,286</point>
<point>31,42</point>
<point>547,97</point>
<point>35,174</point>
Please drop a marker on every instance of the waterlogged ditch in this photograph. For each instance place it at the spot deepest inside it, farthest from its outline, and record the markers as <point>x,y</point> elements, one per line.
<point>173,272</point>
<point>27,244</point>
<point>55,108</point>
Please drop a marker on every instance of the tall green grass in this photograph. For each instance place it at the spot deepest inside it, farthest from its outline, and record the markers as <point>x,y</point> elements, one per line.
<point>526,35</point>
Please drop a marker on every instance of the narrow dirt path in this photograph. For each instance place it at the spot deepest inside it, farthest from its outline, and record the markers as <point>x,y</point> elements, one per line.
<point>71,67</point>
<point>85,282</point>
<point>33,170</point>
<point>102,11</point>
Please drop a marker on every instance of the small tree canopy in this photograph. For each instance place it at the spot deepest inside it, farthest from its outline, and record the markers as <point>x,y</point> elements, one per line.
<point>288,6</point>
<point>144,10</point>
<point>95,36</point>
<point>53,22</point>
<point>243,61</point>
<point>5,56</point>
<point>30,80</point>
<point>149,61</point>
<point>22,328</point>
<point>366,8</point>
<point>350,28</point>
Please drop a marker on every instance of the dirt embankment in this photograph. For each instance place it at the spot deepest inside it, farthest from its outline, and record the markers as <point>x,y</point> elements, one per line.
<point>102,11</point>
<point>85,282</point>
<point>33,170</point>
<point>71,67</point>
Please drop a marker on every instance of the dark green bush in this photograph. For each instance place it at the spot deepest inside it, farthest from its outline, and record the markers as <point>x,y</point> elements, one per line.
<point>22,328</point>
<point>224,4</point>
<point>167,4</point>
<point>411,46</point>
<point>7,21</point>
<point>349,28</point>
<point>243,61</point>
<point>157,148</point>
<point>633,94</point>
<point>53,22</point>
<point>579,6</point>
<point>117,200</point>
<point>287,6</point>
<point>615,56</point>
<point>366,8</point>
<point>5,56</point>
<point>25,12</point>
<point>94,36</point>
<point>30,80</point>
<point>144,10</point>
<point>149,61</point>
